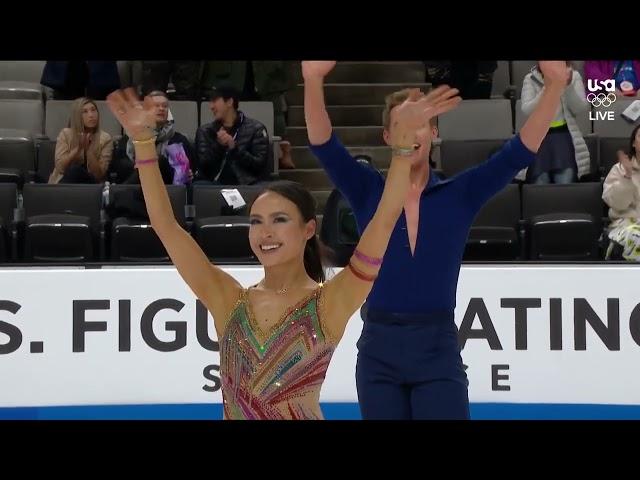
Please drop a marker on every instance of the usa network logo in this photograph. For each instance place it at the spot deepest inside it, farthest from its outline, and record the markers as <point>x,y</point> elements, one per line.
<point>601,94</point>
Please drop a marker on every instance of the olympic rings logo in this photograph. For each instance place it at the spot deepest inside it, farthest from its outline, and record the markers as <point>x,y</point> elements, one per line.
<point>601,99</point>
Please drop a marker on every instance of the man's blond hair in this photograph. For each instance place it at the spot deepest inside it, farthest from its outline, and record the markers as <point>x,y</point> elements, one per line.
<point>393,100</point>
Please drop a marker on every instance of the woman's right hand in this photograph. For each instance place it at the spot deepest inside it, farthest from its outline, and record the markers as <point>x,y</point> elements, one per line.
<point>136,117</point>
<point>555,72</point>
<point>625,161</point>
<point>569,75</point>
<point>86,139</point>
<point>75,153</point>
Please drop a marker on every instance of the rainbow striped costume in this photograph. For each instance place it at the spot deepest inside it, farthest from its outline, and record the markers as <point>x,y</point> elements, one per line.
<point>275,375</point>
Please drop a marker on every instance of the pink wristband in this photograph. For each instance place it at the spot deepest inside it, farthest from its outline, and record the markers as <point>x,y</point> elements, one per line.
<point>146,162</point>
<point>366,259</point>
<point>361,275</point>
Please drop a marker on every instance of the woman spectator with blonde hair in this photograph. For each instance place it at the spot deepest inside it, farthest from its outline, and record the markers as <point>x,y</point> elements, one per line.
<point>83,151</point>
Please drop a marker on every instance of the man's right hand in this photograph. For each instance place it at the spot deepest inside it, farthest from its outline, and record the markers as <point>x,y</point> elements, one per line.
<point>316,69</point>
<point>416,111</point>
<point>224,138</point>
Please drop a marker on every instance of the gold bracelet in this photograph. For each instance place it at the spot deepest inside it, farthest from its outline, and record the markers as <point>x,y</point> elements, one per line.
<point>144,142</point>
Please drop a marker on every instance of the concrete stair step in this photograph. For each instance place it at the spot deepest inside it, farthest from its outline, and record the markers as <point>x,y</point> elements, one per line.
<point>372,72</point>
<point>342,115</point>
<point>351,136</point>
<point>353,94</point>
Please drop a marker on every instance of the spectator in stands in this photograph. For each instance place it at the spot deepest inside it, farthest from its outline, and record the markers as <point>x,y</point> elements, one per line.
<point>563,156</point>
<point>177,157</point>
<point>183,75</point>
<point>626,73</point>
<point>234,148</point>
<point>256,81</point>
<point>70,80</point>
<point>339,231</point>
<point>621,193</point>
<point>83,151</point>
<point>473,79</point>
<point>291,309</point>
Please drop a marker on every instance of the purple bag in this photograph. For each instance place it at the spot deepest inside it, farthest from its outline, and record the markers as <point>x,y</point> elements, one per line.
<point>179,162</point>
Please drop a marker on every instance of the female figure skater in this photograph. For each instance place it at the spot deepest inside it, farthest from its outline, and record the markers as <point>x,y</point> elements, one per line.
<point>277,337</point>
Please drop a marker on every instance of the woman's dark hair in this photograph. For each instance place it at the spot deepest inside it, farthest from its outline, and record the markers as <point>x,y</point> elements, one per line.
<point>302,198</point>
<point>226,92</point>
<point>632,149</point>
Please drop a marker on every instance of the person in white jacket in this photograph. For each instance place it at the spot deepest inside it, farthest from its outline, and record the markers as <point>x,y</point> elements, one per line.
<point>563,156</point>
<point>621,193</point>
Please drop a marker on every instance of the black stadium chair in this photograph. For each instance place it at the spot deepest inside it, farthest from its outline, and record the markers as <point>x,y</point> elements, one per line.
<point>563,222</point>
<point>63,223</point>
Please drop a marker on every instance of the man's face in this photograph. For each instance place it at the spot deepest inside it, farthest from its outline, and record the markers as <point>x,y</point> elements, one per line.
<point>161,109</point>
<point>220,107</point>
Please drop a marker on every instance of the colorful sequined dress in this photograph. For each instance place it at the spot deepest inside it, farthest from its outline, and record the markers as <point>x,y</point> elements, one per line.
<point>275,375</point>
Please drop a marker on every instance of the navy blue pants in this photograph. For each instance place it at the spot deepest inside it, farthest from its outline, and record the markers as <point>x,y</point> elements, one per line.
<point>409,367</point>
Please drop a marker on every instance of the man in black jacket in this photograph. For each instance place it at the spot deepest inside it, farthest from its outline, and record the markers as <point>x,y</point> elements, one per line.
<point>233,149</point>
